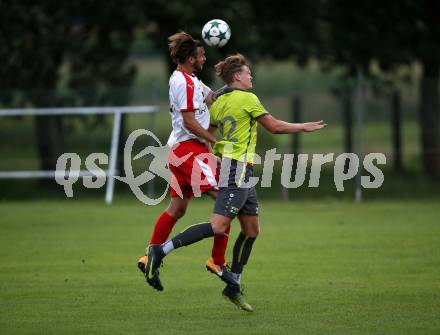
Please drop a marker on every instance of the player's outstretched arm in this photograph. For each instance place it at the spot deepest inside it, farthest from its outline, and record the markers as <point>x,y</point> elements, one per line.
<point>276,126</point>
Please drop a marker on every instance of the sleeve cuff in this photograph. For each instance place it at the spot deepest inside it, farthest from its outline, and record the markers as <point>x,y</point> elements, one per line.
<point>257,117</point>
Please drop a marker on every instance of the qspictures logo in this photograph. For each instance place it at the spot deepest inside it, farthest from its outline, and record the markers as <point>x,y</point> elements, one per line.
<point>206,166</point>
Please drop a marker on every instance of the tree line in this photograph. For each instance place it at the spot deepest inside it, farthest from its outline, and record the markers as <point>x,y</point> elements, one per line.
<point>83,47</point>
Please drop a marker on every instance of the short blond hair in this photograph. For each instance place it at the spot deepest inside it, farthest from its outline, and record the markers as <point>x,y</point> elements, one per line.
<point>226,68</point>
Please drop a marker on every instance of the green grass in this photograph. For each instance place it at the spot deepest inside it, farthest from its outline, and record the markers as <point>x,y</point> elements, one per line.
<point>68,267</point>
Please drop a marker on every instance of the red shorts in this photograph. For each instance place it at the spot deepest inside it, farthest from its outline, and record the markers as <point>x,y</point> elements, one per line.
<point>194,169</point>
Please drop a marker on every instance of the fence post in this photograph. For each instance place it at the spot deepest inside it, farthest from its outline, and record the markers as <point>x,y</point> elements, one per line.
<point>396,125</point>
<point>295,111</point>
<point>151,127</point>
<point>296,118</point>
<point>359,126</point>
<point>348,124</point>
<point>113,158</point>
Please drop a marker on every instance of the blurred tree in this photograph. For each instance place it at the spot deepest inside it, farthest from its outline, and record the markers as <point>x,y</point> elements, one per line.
<point>31,56</point>
<point>167,18</point>
<point>393,34</point>
<point>64,54</point>
<point>100,39</point>
<point>352,34</point>
<point>284,29</point>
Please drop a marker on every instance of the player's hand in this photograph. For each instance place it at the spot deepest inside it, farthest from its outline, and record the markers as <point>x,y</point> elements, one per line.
<point>313,126</point>
<point>222,90</point>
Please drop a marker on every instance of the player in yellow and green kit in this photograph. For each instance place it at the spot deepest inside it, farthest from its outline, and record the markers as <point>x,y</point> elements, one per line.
<point>236,113</point>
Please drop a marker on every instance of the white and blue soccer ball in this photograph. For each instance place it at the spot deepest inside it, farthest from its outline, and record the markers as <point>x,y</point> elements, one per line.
<point>216,33</point>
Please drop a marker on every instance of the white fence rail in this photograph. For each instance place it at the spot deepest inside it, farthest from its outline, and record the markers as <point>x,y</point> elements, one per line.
<point>117,111</point>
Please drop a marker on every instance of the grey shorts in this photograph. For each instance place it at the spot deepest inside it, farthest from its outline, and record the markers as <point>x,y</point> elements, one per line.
<point>233,197</point>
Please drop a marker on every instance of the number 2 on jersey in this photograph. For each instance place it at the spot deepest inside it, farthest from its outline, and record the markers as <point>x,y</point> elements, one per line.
<point>221,126</point>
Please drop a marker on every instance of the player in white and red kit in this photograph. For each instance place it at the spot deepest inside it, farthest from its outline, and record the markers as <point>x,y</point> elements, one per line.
<point>190,137</point>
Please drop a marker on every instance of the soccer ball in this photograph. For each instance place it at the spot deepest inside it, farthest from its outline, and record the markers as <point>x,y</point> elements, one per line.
<point>216,33</point>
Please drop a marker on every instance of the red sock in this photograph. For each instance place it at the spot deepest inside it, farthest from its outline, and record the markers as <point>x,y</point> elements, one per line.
<point>219,247</point>
<point>162,228</point>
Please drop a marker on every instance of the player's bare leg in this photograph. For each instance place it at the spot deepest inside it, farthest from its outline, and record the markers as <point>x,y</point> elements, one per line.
<point>212,193</point>
<point>220,240</point>
<point>217,261</point>
<point>189,236</point>
<point>164,224</point>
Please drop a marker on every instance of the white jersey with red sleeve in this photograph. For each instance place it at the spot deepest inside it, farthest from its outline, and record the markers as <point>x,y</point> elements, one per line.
<point>187,94</point>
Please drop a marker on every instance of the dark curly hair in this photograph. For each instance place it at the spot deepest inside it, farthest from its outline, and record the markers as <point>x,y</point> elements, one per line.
<point>182,46</point>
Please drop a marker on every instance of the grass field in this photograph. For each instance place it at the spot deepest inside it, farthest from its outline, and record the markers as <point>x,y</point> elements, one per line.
<point>317,268</point>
